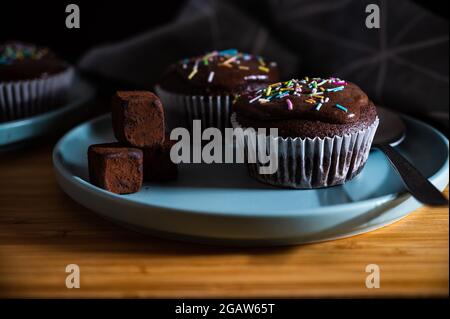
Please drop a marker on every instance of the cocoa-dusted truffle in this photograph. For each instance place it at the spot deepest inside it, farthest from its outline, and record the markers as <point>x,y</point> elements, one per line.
<point>116,168</point>
<point>158,167</point>
<point>138,118</point>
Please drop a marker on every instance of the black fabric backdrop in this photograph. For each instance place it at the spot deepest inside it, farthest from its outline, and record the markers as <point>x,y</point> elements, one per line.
<point>403,65</point>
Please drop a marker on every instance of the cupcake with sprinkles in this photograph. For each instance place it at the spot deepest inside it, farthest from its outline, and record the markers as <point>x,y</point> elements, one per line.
<point>325,130</point>
<point>204,87</point>
<point>33,80</point>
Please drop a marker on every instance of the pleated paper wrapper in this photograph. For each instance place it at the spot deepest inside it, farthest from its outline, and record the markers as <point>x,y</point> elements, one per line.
<point>25,98</point>
<point>181,110</point>
<point>307,163</point>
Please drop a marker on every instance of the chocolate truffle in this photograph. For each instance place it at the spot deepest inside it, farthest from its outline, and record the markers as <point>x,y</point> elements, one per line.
<point>307,108</point>
<point>116,168</point>
<point>23,61</point>
<point>158,167</point>
<point>138,118</point>
<point>219,73</point>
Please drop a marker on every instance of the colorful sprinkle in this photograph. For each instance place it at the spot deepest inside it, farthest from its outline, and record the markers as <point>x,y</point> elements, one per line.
<point>281,95</point>
<point>263,68</point>
<point>342,108</point>
<point>256,77</point>
<point>210,76</point>
<point>255,98</point>
<point>261,61</point>
<point>289,104</point>
<point>313,89</point>
<point>336,89</point>
<point>16,51</point>
<point>232,59</point>
<point>228,52</point>
<point>193,73</point>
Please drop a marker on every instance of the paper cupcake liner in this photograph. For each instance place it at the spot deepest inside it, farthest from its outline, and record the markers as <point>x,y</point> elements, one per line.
<point>181,110</point>
<point>20,99</point>
<point>313,163</point>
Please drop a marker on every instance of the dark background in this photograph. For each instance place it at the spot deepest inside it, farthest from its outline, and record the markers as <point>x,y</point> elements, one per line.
<point>43,22</point>
<point>103,22</point>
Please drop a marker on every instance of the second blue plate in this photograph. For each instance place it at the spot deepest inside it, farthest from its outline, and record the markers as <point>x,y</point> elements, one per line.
<point>13,133</point>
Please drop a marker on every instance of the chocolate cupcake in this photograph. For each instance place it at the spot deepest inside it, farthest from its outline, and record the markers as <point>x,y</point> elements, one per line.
<point>203,87</point>
<point>33,80</point>
<point>325,130</point>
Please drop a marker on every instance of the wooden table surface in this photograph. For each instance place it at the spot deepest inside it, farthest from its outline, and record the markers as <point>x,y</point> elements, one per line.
<point>42,230</point>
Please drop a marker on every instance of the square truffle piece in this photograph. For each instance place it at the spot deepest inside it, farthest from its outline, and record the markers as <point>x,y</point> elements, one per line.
<point>138,118</point>
<point>158,167</point>
<point>116,168</point>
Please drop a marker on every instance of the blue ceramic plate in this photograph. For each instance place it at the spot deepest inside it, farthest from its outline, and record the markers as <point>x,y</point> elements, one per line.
<point>221,204</point>
<point>14,132</point>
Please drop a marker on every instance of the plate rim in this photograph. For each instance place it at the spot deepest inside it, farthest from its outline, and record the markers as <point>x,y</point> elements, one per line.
<point>336,208</point>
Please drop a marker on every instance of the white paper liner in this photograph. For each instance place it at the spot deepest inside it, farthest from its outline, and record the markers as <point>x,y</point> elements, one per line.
<point>181,110</point>
<point>313,163</point>
<point>20,99</point>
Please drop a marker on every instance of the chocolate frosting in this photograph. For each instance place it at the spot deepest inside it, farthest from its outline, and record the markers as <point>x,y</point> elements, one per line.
<point>20,61</point>
<point>219,72</point>
<point>307,108</point>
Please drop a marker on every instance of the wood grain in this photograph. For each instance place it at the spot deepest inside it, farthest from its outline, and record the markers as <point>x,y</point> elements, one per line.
<point>42,231</point>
